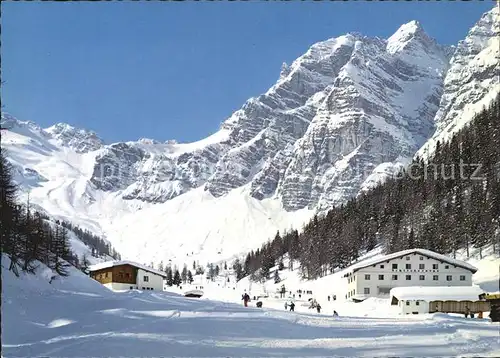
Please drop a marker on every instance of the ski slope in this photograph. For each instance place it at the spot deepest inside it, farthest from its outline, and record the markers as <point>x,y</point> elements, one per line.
<point>76,316</point>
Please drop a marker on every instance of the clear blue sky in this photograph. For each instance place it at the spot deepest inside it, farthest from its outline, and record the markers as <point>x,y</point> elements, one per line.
<point>168,70</point>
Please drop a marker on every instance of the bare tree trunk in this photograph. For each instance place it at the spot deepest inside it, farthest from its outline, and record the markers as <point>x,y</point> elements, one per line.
<point>467,245</point>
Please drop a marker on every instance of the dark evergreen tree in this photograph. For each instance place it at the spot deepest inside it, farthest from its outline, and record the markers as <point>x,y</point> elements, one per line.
<point>170,277</point>
<point>184,274</point>
<point>238,270</point>
<point>177,278</point>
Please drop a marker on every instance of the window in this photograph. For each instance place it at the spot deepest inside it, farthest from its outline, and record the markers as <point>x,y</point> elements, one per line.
<point>408,266</point>
<point>382,266</point>
<point>394,277</point>
<point>106,275</point>
<point>146,279</point>
<point>421,277</point>
<point>407,303</point>
<point>447,266</point>
<point>367,290</point>
<point>407,258</point>
<point>408,277</point>
<point>421,258</point>
<point>127,275</point>
<point>421,266</point>
<point>434,266</point>
<point>462,277</point>
<point>435,277</point>
<point>417,303</point>
<point>367,277</point>
<point>448,278</point>
<point>394,266</point>
<point>381,277</point>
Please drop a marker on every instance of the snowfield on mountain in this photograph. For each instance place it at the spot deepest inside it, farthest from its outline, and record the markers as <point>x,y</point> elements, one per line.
<point>348,113</point>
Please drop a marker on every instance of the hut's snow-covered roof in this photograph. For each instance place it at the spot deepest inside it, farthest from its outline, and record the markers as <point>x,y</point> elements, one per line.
<point>437,293</point>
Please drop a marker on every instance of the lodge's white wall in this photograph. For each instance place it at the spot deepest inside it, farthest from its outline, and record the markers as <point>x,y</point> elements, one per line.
<point>119,286</point>
<point>413,306</point>
<point>154,281</point>
<point>356,283</point>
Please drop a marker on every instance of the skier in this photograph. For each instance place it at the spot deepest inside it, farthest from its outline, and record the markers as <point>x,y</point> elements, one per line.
<point>318,308</point>
<point>286,306</point>
<point>283,291</point>
<point>335,314</point>
<point>245,299</point>
<point>313,303</point>
<point>292,307</point>
<point>328,298</point>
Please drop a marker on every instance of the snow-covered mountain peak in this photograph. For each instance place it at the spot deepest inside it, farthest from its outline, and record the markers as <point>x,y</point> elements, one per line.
<point>150,141</point>
<point>80,140</point>
<point>9,122</point>
<point>343,116</point>
<point>406,34</point>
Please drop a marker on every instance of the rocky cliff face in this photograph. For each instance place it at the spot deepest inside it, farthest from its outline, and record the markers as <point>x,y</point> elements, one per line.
<point>80,140</point>
<point>472,80</point>
<point>346,106</point>
<point>348,113</point>
<point>378,110</point>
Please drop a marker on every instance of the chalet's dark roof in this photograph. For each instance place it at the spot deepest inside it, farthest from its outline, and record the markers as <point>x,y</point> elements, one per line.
<point>422,252</point>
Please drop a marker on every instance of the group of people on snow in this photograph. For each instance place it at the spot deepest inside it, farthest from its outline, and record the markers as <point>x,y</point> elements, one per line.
<point>313,303</point>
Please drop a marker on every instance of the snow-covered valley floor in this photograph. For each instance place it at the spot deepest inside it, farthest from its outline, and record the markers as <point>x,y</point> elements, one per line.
<point>77,317</point>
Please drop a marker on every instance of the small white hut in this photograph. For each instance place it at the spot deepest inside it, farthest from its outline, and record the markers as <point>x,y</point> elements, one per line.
<point>418,299</point>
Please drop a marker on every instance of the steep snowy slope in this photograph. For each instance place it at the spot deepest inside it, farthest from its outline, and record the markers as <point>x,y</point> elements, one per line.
<point>76,316</point>
<point>472,81</point>
<point>193,226</point>
<point>340,118</point>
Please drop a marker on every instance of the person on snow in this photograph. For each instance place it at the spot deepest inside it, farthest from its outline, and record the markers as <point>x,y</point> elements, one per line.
<point>286,306</point>
<point>318,308</point>
<point>245,299</point>
<point>313,303</point>
<point>292,307</point>
<point>282,291</point>
<point>335,314</point>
